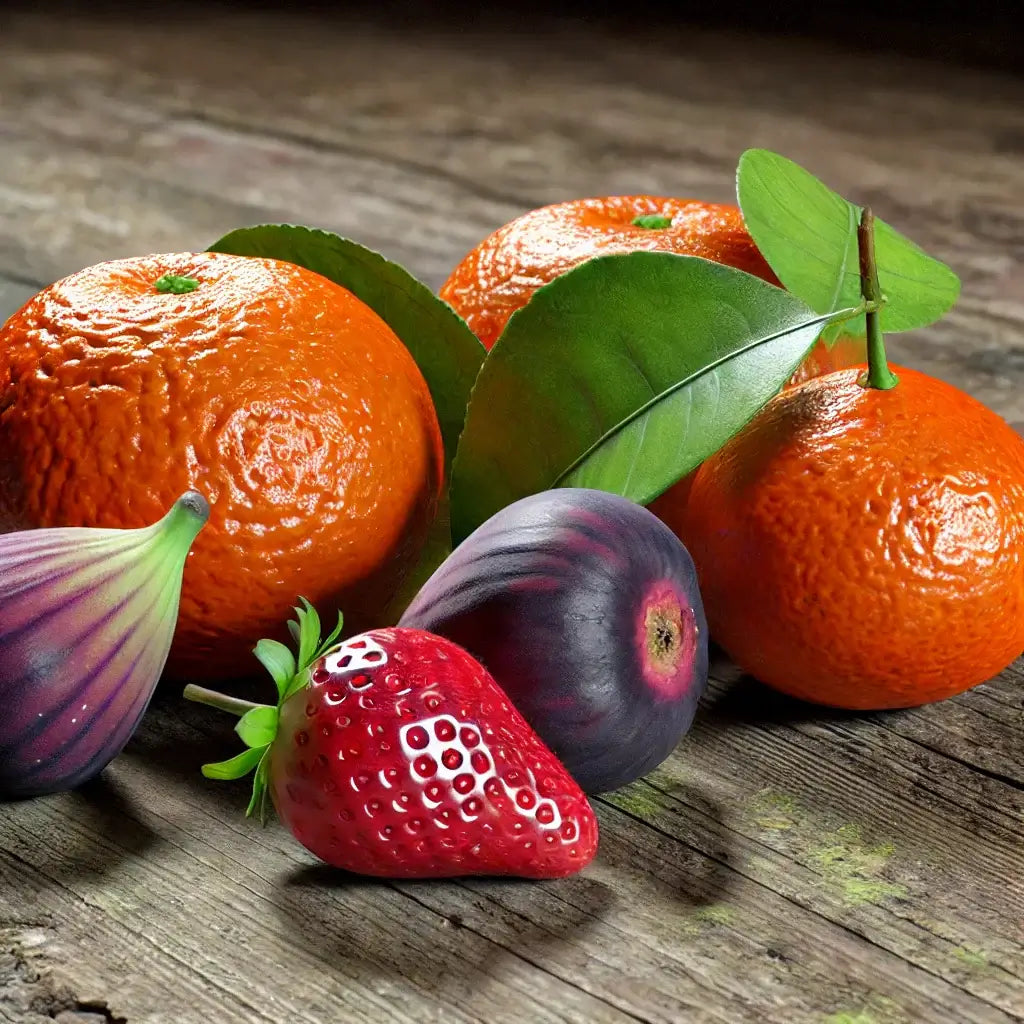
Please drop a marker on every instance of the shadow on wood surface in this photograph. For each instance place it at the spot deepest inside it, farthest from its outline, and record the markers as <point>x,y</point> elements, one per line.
<point>314,912</point>
<point>176,739</point>
<point>100,810</point>
<point>742,700</point>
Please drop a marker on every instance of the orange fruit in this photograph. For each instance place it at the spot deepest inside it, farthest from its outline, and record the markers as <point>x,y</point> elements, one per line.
<point>276,393</point>
<point>506,268</point>
<point>864,548</point>
<point>501,274</point>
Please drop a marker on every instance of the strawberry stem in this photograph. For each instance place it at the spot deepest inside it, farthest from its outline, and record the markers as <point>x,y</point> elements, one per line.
<point>879,375</point>
<point>221,701</point>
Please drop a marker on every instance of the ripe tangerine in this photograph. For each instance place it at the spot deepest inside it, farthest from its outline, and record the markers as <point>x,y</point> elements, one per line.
<point>276,393</point>
<point>863,548</point>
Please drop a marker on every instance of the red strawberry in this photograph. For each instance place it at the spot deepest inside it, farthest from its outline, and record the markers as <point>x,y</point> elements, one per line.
<point>396,754</point>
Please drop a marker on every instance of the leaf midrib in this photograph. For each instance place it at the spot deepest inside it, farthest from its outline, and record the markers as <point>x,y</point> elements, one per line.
<point>685,382</point>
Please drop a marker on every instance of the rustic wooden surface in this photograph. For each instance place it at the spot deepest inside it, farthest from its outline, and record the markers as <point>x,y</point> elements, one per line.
<point>787,864</point>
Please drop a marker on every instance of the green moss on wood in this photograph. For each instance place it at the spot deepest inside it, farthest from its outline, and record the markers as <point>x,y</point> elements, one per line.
<point>972,957</point>
<point>853,867</point>
<point>775,811</point>
<point>638,800</point>
<point>716,914</point>
<point>878,1010</point>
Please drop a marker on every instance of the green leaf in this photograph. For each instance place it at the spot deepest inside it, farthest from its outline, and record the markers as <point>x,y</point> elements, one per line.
<point>309,633</point>
<point>437,548</point>
<point>328,642</point>
<point>278,661</point>
<point>235,767</point>
<point>258,727</point>
<point>300,682</point>
<point>447,352</point>
<point>808,235</point>
<point>623,375</point>
<point>260,786</point>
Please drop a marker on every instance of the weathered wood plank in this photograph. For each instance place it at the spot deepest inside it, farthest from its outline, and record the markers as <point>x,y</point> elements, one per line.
<point>787,864</point>
<point>244,926</point>
<point>13,294</point>
<point>427,172</point>
<point>697,901</point>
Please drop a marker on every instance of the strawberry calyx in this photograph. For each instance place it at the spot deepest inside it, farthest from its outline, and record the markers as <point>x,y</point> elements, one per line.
<point>257,723</point>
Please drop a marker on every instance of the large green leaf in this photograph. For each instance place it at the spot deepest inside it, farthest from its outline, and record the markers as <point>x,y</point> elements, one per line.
<point>808,234</point>
<point>445,349</point>
<point>623,375</point>
<point>436,549</point>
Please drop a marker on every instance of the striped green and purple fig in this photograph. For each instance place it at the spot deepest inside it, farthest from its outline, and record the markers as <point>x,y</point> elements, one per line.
<point>86,621</point>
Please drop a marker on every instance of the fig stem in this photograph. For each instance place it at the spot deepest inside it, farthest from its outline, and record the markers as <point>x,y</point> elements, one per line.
<point>182,523</point>
<point>221,701</point>
<point>879,375</point>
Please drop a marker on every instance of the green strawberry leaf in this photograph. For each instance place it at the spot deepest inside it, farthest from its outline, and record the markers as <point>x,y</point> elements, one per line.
<point>808,235</point>
<point>260,789</point>
<point>258,727</point>
<point>259,723</point>
<point>278,661</point>
<point>623,375</point>
<point>331,639</point>
<point>235,767</point>
<point>309,633</point>
<point>298,683</point>
<point>447,352</point>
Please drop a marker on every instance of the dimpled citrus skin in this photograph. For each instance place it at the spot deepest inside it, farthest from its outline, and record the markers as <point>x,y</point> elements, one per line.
<point>508,266</point>
<point>862,548</point>
<point>276,393</point>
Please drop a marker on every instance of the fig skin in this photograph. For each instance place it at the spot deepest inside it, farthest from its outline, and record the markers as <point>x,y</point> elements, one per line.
<point>586,610</point>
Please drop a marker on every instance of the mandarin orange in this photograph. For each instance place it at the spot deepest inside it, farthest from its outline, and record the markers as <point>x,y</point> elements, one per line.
<point>278,394</point>
<point>501,274</point>
<point>863,548</point>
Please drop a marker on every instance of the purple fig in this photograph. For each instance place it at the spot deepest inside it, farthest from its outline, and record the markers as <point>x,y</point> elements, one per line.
<point>86,621</point>
<point>585,608</point>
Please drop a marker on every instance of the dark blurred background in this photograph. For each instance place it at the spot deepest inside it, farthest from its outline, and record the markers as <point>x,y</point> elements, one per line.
<point>983,33</point>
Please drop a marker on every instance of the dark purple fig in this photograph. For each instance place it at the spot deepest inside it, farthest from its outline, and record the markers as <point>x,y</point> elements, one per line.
<point>86,620</point>
<point>585,608</point>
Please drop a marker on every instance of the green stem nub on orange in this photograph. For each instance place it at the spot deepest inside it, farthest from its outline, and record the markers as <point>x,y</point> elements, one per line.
<point>173,284</point>
<point>652,221</point>
<point>879,376</point>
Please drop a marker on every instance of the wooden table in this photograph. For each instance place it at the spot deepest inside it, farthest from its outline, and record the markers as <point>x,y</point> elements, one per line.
<point>788,864</point>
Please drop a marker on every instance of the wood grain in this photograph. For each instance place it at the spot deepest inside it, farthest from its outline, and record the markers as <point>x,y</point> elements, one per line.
<point>786,864</point>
